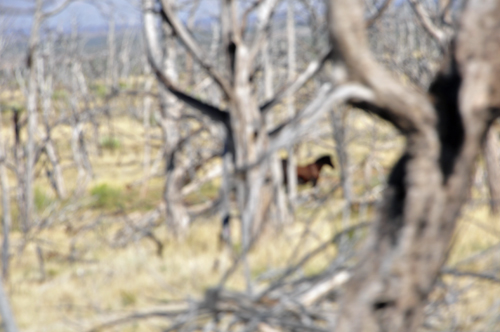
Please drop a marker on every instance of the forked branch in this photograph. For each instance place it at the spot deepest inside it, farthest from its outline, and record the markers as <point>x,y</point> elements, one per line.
<point>192,46</point>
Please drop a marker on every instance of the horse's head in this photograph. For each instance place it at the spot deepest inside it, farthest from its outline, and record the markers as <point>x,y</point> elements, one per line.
<point>325,160</point>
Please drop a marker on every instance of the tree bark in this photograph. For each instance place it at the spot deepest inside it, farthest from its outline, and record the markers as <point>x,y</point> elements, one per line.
<point>292,162</point>
<point>338,120</point>
<point>111,65</point>
<point>177,214</point>
<point>6,216</point>
<point>46,81</point>
<point>6,312</point>
<point>492,160</point>
<point>32,108</point>
<point>427,187</point>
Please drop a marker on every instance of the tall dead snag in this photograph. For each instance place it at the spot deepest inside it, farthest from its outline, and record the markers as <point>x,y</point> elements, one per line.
<point>32,109</point>
<point>46,80</point>
<point>165,56</point>
<point>291,170</point>
<point>492,160</point>
<point>445,129</point>
<point>6,216</point>
<point>177,215</point>
<point>247,138</point>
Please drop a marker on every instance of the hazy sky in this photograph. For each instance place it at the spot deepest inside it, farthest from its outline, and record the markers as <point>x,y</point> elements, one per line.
<point>15,14</point>
<point>88,13</point>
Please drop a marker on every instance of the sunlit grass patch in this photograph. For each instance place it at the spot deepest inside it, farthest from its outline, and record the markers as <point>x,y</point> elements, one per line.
<point>110,143</point>
<point>42,198</point>
<point>107,196</point>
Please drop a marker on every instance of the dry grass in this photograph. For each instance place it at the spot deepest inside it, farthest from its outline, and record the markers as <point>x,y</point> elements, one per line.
<point>88,279</point>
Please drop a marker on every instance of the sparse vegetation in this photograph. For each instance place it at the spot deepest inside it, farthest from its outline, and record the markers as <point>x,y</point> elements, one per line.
<point>110,143</point>
<point>116,188</point>
<point>107,197</point>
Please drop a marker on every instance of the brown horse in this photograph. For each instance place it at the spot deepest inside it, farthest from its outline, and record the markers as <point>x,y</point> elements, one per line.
<point>308,173</point>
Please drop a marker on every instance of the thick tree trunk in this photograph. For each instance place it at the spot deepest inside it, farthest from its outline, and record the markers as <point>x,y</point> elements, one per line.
<point>427,187</point>
<point>492,159</point>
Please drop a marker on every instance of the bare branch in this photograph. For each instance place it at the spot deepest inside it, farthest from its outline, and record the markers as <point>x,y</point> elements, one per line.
<point>294,130</point>
<point>58,9</point>
<point>266,10</point>
<point>295,85</point>
<point>458,273</point>
<point>425,20</point>
<point>169,16</point>
<point>406,107</point>
<point>247,12</point>
<point>213,112</point>
<point>371,21</point>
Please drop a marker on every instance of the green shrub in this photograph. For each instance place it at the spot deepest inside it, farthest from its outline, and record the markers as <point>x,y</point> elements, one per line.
<point>123,85</point>
<point>110,143</point>
<point>106,197</point>
<point>59,94</point>
<point>127,298</point>
<point>101,90</point>
<point>42,200</point>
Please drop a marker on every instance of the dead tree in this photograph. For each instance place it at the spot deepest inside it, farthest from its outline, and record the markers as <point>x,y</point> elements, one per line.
<point>492,161</point>
<point>6,312</point>
<point>441,31</point>
<point>46,79</point>
<point>32,109</point>
<point>247,138</point>
<point>165,54</point>
<point>445,129</point>
<point>6,216</point>
<point>33,63</point>
<point>339,125</point>
<point>291,68</point>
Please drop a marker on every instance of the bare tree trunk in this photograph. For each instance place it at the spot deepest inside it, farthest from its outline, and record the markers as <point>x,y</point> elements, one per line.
<point>111,65</point>
<point>46,96</point>
<point>338,120</point>
<point>6,217</point>
<point>292,163</point>
<point>268,70</point>
<point>178,218</point>
<point>189,58</point>
<point>445,129</point>
<point>125,50</point>
<point>492,159</point>
<point>19,156</point>
<point>146,118</point>
<point>177,215</point>
<point>5,311</point>
<point>280,200</point>
<point>32,108</point>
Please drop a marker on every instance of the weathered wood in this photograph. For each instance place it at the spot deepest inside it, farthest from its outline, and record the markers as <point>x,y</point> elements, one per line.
<point>492,160</point>
<point>445,129</point>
